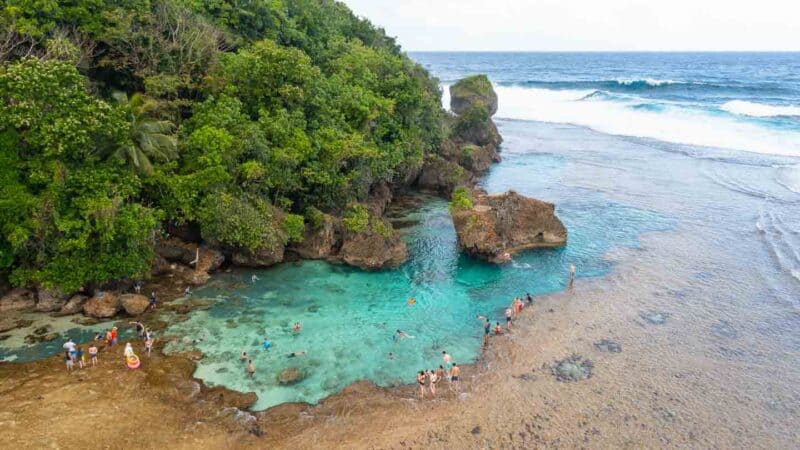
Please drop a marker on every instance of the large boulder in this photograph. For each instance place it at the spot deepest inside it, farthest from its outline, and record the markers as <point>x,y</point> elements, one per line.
<point>494,227</point>
<point>74,305</point>
<point>103,305</point>
<point>50,300</point>
<point>473,91</point>
<point>320,240</point>
<point>134,304</point>
<point>175,250</point>
<point>377,247</point>
<point>441,176</point>
<point>17,299</point>
<point>263,257</point>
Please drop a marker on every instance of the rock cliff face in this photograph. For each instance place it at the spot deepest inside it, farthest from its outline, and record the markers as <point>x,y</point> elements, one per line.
<point>372,251</point>
<point>494,227</point>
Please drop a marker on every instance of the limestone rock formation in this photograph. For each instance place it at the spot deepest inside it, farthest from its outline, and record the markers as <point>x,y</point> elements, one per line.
<point>494,227</point>
<point>17,299</point>
<point>74,305</point>
<point>377,247</point>
<point>103,305</point>
<point>263,257</point>
<point>134,304</point>
<point>320,241</point>
<point>50,300</point>
<point>472,91</point>
<point>441,176</point>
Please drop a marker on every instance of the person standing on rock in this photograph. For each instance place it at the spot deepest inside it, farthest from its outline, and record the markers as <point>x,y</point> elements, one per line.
<point>70,362</point>
<point>446,358</point>
<point>487,328</point>
<point>113,336</point>
<point>528,298</point>
<point>571,276</point>
<point>421,383</point>
<point>454,377</point>
<point>153,301</point>
<point>139,328</point>
<point>93,354</point>
<point>432,380</point>
<point>148,345</point>
<point>509,316</point>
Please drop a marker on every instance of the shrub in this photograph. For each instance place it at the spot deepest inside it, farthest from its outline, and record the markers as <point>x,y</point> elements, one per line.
<point>356,219</point>
<point>294,226</point>
<point>461,200</point>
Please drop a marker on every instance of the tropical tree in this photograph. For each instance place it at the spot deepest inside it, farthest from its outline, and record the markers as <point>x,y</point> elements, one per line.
<point>150,139</point>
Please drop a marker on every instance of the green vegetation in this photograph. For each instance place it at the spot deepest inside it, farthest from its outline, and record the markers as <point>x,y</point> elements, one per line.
<point>356,218</point>
<point>475,85</point>
<point>120,116</point>
<point>461,200</point>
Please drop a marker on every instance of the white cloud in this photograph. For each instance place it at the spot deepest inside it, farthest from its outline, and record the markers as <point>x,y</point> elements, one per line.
<point>562,25</point>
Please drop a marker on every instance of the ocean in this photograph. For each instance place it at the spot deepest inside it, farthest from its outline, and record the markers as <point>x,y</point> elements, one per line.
<point>678,178</point>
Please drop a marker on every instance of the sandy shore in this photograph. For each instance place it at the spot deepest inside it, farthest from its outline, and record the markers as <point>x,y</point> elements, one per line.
<point>665,389</point>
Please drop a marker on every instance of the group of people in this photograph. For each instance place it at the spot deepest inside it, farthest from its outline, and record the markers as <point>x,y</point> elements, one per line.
<point>74,355</point>
<point>447,371</point>
<point>250,368</point>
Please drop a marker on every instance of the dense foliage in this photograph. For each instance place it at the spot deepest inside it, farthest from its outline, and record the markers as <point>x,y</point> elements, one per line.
<point>119,116</point>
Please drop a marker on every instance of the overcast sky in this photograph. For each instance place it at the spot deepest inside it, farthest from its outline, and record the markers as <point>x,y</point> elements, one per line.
<point>563,25</point>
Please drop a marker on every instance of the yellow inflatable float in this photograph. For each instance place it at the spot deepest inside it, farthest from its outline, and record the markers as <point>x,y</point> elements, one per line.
<point>133,361</point>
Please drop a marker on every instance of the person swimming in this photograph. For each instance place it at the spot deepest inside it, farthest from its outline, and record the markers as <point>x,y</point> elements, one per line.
<point>267,344</point>
<point>296,327</point>
<point>296,354</point>
<point>243,357</point>
<point>400,335</point>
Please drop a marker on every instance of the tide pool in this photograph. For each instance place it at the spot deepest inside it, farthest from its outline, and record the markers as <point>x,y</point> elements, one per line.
<point>349,317</point>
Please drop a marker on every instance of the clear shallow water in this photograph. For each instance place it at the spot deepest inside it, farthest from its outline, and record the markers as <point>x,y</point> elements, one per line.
<point>729,245</point>
<point>349,317</point>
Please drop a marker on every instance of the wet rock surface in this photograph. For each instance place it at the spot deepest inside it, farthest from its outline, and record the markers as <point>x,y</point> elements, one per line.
<point>74,305</point>
<point>574,368</point>
<point>371,250</point>
<point>50,300</point>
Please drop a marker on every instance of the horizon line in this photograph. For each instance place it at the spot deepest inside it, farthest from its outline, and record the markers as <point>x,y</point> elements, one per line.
<point>601,51</point>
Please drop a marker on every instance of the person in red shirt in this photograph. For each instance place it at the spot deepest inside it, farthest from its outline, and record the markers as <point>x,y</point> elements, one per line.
<point>114,336</point>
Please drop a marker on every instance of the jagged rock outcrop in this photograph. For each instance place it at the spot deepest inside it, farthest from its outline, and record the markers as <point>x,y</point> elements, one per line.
<point>103,305</point>
<point>441,176</point>
<point>494,227</point>
<point>134,304</point>
<point>17,299</point>
<point>473,91</point>
<point>74,305</point>
<point>50,300</point>
<point>371,250</point>
<point>263,257</point>
<point>320,241</point>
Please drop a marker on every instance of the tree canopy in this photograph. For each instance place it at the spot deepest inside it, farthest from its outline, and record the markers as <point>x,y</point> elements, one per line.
<point>119,116</point>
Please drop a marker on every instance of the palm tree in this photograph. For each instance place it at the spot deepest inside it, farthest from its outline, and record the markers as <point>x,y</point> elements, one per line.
<point>150,139</point>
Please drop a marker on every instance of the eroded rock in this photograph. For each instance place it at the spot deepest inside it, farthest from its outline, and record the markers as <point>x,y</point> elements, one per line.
<point>50,300</point>
<point>103,305</point>
<point>471,92</point>
<point>134,304</point>
<point>74,305</point>
<point>17,299</point>
<point>494,227</point>
<point>373,250</point>
<point>291,375</point>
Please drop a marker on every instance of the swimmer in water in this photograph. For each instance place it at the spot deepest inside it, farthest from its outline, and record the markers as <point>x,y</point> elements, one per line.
<point>296,354</point>
<point>296,327</point>
<point>266,344</point>
<point>400,335</point>
<point>253,279</point>
<point>243,357</point>
<point>391,355</point>
<point>411,301</point>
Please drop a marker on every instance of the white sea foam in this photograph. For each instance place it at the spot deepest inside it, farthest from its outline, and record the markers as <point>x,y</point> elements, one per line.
<point>648,81</point>
<point>751,109</point>
<point>672,123</point>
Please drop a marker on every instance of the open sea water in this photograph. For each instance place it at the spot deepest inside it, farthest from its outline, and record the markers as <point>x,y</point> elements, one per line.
<point>698,153</point>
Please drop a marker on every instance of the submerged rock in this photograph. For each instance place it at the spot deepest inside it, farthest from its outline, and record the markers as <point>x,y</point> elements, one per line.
<point>574,368</point>
<point>654,317</point>
<point>134,304</point>
<point>291,375</point>
<point>17,299</point>
<point>493,227</point>
<point>103,305</point>
<point>608,346</point>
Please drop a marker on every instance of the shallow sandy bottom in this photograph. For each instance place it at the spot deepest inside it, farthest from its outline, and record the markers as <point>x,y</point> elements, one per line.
<point>689,382</point>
